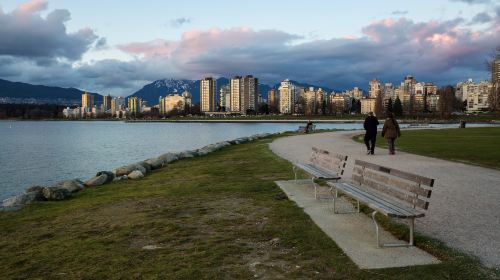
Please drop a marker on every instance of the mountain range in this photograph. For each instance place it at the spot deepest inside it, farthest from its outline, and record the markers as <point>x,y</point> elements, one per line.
<point>16,92</point>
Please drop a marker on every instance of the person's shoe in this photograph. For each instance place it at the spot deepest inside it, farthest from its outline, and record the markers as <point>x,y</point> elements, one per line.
<point>368,152</point>
<point>372,152</point>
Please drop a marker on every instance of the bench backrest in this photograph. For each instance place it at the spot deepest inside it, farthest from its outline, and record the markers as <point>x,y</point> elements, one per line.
<point>328,160</point>
<point>410,189</point>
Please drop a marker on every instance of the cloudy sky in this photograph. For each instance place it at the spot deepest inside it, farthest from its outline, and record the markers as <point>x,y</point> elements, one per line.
<point>117,46</point>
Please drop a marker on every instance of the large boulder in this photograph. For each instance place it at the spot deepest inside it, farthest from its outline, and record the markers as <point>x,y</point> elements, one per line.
<point>10,208</point>
<point>146,166</point>
<point>187,154</point>
<point>125,170</point>
<point>155,163</point>
<point>110,176</point>
<point>22,199</point>
<point>97,181</point>
<point>168,157</point>
<point>70,185</point>
<point>135,175</point>
<point>56,193</point>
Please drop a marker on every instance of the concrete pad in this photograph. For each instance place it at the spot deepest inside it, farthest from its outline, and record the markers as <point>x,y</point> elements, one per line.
<point>354,233</point>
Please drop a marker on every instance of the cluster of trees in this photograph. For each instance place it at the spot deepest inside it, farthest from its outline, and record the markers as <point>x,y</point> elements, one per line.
<point>30,111</point>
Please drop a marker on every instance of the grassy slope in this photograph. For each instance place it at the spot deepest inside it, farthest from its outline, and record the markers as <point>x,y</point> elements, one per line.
<point>480,146</point>
<point>213,217</point>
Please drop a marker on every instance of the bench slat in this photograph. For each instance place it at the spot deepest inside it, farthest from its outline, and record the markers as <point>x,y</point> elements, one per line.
<point>317,172</point>
<point>384,206</point>
<point>397,182</point>
<point>408,176</point>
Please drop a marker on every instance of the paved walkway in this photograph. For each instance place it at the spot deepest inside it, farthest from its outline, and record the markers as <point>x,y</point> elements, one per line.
<point>356,235</point>
<point>465,205</point>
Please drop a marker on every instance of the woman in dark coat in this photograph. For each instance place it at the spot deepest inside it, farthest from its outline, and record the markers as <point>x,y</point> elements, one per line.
<point>391,131</point>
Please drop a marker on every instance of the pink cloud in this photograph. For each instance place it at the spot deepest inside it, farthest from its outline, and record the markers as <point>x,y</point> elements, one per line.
<point>150,49</point>
<point>32,6</point>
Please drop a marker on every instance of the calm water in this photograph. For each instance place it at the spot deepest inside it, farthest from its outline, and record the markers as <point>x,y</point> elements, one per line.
<point>46,152</point>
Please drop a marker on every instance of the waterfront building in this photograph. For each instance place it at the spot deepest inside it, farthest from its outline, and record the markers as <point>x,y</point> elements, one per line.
<point>87,101</point>
<point>478,99</point>
<point>495,71</point>
<point>273,98</point>
<point>236,89</point>
<point>117,104</point>
<point>367,105</point>
<point>313,100</point>
<point>134,104</point>
<point>208,89</point>
<point>432,102</point>
<point>188,98</point>
<point>373,88</point>
<point>106,103</point>
<point>355,93</point>
<point>338,103</point>
<point>225,98</point>
<point>172,102</point>
<point>288,94</point>
<point>70,113</point>
<point>250,94</point>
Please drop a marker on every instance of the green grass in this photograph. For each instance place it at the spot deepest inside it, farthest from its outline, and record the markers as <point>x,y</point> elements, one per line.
<point>213,217</point>
<point>479,146</point>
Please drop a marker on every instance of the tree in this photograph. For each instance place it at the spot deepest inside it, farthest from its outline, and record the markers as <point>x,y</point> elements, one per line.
<point>379,106</point>
<point>388,107</point>
<point>397,108</point>
<point>446,101</point>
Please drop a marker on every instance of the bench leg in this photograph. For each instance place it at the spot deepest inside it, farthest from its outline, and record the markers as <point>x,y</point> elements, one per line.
<point>335,196</point>
<point>379,245</point>
<point>315,188</point>
<point>295,172</point>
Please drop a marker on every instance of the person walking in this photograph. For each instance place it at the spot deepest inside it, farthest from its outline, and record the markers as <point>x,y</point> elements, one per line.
<point>370,125</point>
<point>391,131</point>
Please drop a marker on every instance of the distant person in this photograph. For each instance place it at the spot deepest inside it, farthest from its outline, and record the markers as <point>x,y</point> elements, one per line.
<point>391,131</point>
<point>370,125</point>
<point>309,126</point>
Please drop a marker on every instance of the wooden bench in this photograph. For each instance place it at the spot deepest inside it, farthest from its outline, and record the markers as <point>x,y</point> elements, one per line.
<point>388,191</point>
<point>322,165</point>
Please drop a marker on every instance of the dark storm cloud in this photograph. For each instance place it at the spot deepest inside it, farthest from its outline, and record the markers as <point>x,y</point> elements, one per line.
<point>25,33</point>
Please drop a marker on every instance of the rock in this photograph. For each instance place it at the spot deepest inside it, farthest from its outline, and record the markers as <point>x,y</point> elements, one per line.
<point>135,175</point>
<point>70,185</point>
<point>151,247</point>
<point>187,154</point>
<point>155,163</point>
<point>22,199</point>
<point>124,170</point>
<point>97,181</point>
<point>56,193</point>
<point>10,208</point>
<point>145,165</point>
<point>34,189</point>
<point>111,176</point>
<point>168,157</point>
<point>124,177</point>
<point>275,242</point>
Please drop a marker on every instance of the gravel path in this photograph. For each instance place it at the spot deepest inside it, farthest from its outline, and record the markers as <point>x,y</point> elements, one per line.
<point>465,205</point>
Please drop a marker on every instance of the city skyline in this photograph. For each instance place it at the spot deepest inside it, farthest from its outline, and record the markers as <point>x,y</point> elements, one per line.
<point>74,45</point>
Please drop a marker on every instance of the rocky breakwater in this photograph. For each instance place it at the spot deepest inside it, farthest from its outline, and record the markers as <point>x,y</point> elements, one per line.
<point>65,189</point>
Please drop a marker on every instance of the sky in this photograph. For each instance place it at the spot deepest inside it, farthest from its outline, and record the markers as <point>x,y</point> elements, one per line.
<point>116,47</point>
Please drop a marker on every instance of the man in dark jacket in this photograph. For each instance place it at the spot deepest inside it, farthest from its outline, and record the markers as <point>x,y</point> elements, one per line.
<point>370,126</point>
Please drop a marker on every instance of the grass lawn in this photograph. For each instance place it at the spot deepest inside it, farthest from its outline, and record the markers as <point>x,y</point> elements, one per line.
<point>212,217</point>
<point>479,146</point>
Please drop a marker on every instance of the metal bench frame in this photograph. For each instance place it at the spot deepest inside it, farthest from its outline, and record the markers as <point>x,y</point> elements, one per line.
<point>387,191</point>
<point>323,165</point>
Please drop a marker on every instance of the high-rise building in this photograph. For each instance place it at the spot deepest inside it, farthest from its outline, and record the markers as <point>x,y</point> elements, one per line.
<point>355,93</point>
<point>106,102</point>
<point>236,89</point>
<point>134,104</point>
<point>250,94</point>
<point>288,95</point>
<point>188,98</point>
<point>117,104</point>
<point>374,88</point>
<point>208,92</point>
<point>367,105</point>
<point>495,71</point>
<point>87,101</point>
<point>171,102</point>
<point>225,97</point>
<point>273,98</point>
